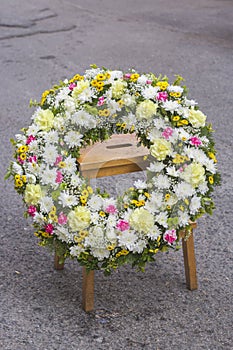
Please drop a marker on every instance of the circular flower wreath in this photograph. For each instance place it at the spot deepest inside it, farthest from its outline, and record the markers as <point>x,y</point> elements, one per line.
<point>100,231</point>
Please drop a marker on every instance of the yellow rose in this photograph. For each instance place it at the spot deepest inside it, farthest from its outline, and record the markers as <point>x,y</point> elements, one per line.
<point>32,194</point>
<point>141,220</point>
<point>79,218</point>
<point>194,174</point>
<point>196,118</point>
<point>118,88</point>
<point>160,149</point>
<point>45,119</point>
<point>80,87</point>
<point>146,110</point>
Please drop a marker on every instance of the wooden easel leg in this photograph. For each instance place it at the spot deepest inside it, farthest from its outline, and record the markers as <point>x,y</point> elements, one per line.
<point>190,262</point>
<point>57,264</point>
<point>88,290</point>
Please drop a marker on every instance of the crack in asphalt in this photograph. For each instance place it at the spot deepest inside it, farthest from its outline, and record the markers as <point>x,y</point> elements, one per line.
<point>37,32</point>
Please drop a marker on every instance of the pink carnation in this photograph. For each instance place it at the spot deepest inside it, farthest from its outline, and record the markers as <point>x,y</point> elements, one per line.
<point>62,219</point>
<point>162,96</point>
<point>58,160</point>
<point>167,133</point>
<point>195,141</point>
<point>72,86</point>
<point>49,229</point>
<point>32,210</point>
<point>59,177</point>
<point>32,159</point>
<point>122,225</point>
<point>170,236</point>
<point>30,139</point>
<point>111,209</point>
<point>100,101</point>
<point>127,75</point>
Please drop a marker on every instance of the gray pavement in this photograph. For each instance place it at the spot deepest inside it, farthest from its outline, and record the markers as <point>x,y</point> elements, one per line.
<point>44,41</point>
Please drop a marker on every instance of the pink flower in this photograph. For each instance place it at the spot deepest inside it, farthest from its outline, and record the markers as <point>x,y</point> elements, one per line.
<point>30,139</point>
<point>58,160</point>
<point>195,141</point>
<point>32,159</point>
<point>62,219</point>
<point>21,161</point>
<point>167,133</point>
<point>72,85</point>
<point>49,229</point>
<point>162,96</point>
<point>170,236</point>
<point>32,210</point>
<point>111,209</point>
<point>59,177</point>
<point>122,225</point>
<point>100,101</point>
<point>127,75</point>
<point>149,81</point>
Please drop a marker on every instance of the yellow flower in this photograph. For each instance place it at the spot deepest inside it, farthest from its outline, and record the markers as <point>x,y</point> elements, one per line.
<point>194,174</point>
<point>44,95</point>
<point>85,193</point>
<point>167,196</point>
<point>175,118</point>
<point>175,94</point>
<point>99,84</point>
<point>23,156</point>
<point>211,180</point>
<point>212,156</point>
<point>102,213</point>
<point>62,164</point>
<point>24,178</point>
<point>22,149</point>
<point>160,149</point>
<point>90,189</point>
<point>141,220</point>
<point>146,110</point>
<point>32,194</point>
<point>18,183</point>
<point>45,119</point>
<point>76,77</point>
<point>162,84</point>
<point>134,77</point>
<point>94,83</point>
<point>53,216</point>
<point>121,103</point>
<point>196,118</point>
<point>83,199</point>
<point>17,177</point>
<point>110,247</point>
<point>100,76</point>
<point>79,218</point>
<point>179,159</point>
<point>147,195</point>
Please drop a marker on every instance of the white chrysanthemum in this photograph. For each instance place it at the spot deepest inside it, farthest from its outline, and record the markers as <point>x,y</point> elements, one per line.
<point>149,92</point>
<point>46,204</point>
<point>154,233</point>
<point>31,179</point>
<point>139,247</point>
<point>111,235</point>
<point>128,100</point>
<point>171,171</point>
<point>76,181</point>
<point>154,203</point>
<point>50,154</point>
<point>76,250</point>
<point>203,188</point>
<point>73,138</point>
<point>69,104</point>
<point>140,185</point>
<point>96,238</point>
<point>21,138</point>
<point>33,168</point>
<point>127,239</point>
<point>63,234</point>
<point>34,147</point>
<point>70,165</point>
<point>91,73</point>
<point>67,200</point>
<point>210,165</point>
<point>175,88</point>
<point>159,123</point>
<point>62,95</point>
<point>50,137</point>
<point>39,219</point>
<point>171,106</point>
<point>86,95</point>
<point>95,202</point>
<point>190,103</point>
<point>95,218</point>
<point>156,167</point>
<point>183,135</point>
<point>142,80</point>
<point>17,169</point>
<point>196,154</point>
<point>183,111</point>
<point>195,204</point>
<point>161,219</point>
<point>33,130</point>
<point>183,190</point>
<point>48,176</point>
<point>129,120</point>
<point>154,134</point>
<point>111,222</point>
<point>84,119</point>
<point>115,74</point>
<point>59,123</point>
<point>100,253</point>
<point>161,182</point>
<point>183,218</point>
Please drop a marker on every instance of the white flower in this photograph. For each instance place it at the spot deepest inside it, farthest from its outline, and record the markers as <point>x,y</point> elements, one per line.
<point>76,181</point>
<point>113,106</point>
<point>140,185</point>
<point>142,79</point>
<point>171,171</point>
<point>95,202</point>
<point>139,247</point>
<point>183,190</point>
<point>203,188</point>
<point>161,219</point>
<point>50,137</point>
<point>82,118</point>
<point>190,103</point>
<point>175,88</point>
<point>128,100</point>
<point>76,250</point>
<point>48,176</point>
<point>129,120</point>
<point>73,138</point>
<point>70,165</point>
<point>100,253</point>
<point>33,130</point>
<point>61,95</point>
<point>86,95</point>
<point>115,74</point>
<point>195,204</point>
<point>183,218</point>
<point>162,182</point>
<point>69,104</point>
<point>67,200</point>
<point>156,167</point>
<point>46,204</point>
<point>39,219</point>
<point>154,233</point>
<point>17,169</point>
<point>127,239</point>
<point>63,234</point>
<point>154,203</point>
<point>50,154</point>
<point>150,92</point>
<point>171,106</point>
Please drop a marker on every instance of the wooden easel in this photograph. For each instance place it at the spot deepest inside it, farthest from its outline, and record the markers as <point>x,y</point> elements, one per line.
<point>120,155</point>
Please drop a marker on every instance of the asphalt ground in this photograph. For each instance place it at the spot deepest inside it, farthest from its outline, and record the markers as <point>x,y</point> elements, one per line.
<point>44,41</point>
